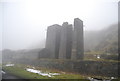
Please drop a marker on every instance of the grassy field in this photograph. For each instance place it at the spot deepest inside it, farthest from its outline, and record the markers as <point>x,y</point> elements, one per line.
<point>19,70</point>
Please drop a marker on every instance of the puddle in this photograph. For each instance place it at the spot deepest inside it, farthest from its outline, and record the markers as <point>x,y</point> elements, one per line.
<point>42,73</point>
<point>9,65</point>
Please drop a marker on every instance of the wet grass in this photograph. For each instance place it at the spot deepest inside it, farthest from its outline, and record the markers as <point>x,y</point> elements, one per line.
<point>19,70</point>
<point>22,73</point>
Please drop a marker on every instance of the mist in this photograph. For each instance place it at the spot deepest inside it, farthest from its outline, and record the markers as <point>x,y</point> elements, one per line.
<point>24,23</point>
<point>73,39</point>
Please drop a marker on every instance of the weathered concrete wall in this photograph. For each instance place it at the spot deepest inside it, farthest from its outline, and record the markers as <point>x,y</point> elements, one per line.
<point>65,41</point>
<point>78,44</point>
<point>53,40</point>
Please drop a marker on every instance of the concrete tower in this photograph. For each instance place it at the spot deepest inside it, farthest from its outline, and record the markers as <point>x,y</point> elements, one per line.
<point>66,41</point>
<point>78,44</point>
<point>53,40</point>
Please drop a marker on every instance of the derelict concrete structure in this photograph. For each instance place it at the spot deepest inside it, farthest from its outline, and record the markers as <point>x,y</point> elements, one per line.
<point>53,40</point>
<point>78,44</point>
<point>65,41</point>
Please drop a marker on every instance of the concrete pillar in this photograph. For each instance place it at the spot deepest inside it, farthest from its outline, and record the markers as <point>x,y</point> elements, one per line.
<point>78,44</point>
<point>66,41</point>
<point>53,40</point>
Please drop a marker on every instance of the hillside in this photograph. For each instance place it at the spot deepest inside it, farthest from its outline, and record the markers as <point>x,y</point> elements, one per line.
<point>105,40</point>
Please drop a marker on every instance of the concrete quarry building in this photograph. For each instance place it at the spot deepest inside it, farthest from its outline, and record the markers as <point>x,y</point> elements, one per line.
<point>66,41</point>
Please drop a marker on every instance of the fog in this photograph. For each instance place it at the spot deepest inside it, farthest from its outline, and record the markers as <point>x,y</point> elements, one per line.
<point>23,23</point>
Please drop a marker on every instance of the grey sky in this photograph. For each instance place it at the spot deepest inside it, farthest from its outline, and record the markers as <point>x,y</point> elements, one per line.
<point>23,23</point>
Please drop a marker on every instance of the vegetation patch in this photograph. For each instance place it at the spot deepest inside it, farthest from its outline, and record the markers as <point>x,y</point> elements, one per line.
<point>20,71</point>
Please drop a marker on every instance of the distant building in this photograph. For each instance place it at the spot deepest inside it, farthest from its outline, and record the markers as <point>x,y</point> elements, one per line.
<point>64,42</point>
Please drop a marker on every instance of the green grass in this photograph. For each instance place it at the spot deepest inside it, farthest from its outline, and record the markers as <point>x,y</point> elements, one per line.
<point>22,73</point>
<point>19,70</point>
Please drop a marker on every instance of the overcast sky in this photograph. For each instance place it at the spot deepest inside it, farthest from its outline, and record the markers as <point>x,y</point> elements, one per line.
<point>23,23</point>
